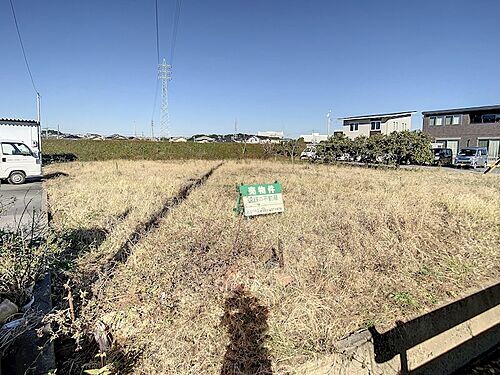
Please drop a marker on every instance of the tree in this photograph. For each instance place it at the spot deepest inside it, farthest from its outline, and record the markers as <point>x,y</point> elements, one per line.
<point>270,149</point>
<point>375,149</point>
<point>291,148</point>
<point>358,148</point>
<point>334,148</point>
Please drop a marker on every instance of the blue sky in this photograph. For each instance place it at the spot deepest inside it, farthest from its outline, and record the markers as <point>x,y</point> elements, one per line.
<point>273,64</point>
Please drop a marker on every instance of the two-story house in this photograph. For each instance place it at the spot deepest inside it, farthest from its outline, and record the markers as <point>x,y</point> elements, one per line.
<point>465,127</point>
<point>369,125</point>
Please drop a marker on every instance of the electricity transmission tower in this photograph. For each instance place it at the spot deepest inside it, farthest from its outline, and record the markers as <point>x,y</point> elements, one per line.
<point>164,75</point>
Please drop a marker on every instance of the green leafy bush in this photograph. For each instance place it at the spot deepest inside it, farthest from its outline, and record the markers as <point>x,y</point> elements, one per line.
<point>396,148</point>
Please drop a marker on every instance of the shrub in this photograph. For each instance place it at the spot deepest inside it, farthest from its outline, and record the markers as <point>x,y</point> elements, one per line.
<point>396,148</point>
<point>290,149</point>
<point>23,260</point>
<point>334,148</point>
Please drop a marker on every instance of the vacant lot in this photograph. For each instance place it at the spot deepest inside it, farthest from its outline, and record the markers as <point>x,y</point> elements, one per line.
<point>139,150</point>
<point>100,207</point>
<point>205,292</point>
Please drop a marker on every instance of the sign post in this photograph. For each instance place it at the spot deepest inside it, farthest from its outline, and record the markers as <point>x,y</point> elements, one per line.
<point>261,199</point>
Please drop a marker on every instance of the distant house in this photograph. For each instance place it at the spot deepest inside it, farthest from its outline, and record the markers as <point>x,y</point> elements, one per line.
<point>93,136</point>
<point>253,139</point>
<point>271,134</point>
<point>314,138</point>
<point>116,137</point>
<point>384,123</point>
<point>178,139</point>
<point>465,127</point>
<point>70,136</point>
<point>270,140</point>
<point>204,139</point>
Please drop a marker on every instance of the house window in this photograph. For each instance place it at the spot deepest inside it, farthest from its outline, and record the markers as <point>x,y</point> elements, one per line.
<point>375,125</point>
<point>482,143</point>
<point>452,120</point>
<point>439,121</point>
<point>432,121</point>
<point>486,118</point>
<point>489,118</point>
<point>353,126</point>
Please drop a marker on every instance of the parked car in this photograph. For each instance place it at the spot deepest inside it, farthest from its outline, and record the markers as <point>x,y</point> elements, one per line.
<point>308,153</point>
<point>18,161</point>
<point>442,156</point>
<point>472,157</point>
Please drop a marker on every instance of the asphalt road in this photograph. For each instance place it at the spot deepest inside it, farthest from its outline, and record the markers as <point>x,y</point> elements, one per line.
<point>20,204</point>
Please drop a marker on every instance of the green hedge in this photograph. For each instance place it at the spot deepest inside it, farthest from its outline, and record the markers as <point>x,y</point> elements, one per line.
<point>396,148</point>
<point>86,150</point>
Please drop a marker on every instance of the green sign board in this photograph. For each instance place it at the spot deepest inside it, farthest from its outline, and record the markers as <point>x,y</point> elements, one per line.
<point>261,199</point>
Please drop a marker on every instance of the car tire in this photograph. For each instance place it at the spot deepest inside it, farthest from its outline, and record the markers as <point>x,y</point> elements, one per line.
<point>17,178</point>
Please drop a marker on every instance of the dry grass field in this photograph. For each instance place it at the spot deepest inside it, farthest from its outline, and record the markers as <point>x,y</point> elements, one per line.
<point>100,204</point>
<point>206,292</point>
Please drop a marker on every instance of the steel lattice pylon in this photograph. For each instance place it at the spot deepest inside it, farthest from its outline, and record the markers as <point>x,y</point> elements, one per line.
<point>165,75</point>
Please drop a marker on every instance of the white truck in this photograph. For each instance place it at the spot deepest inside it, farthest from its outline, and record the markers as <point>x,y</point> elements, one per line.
<point>20,157</point>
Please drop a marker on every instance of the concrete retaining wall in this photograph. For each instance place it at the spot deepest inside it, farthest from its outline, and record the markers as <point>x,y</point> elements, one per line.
<point>439,342</point>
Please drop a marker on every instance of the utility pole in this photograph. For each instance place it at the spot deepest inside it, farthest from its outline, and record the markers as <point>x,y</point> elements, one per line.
<point>152,130</point>
<point>328,122</point>
<point>58,132</point>
<point>165,75</point>
<point>38,119</point>
<point>135,130</point>
<point>235,129</point>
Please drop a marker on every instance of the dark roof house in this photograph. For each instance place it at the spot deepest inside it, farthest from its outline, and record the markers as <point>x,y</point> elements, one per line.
<point>465,127</point>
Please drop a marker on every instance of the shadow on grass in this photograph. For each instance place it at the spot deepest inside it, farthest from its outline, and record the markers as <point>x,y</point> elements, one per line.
<point>80,241</point>
<point>58,158</point>
<point>49,176</point>
<point>246,321</point>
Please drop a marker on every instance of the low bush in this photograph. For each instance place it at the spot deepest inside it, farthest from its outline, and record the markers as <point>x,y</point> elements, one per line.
<point>23,261</point>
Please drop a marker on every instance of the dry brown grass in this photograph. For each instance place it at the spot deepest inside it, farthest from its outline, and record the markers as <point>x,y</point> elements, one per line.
<point>101,204</point>
<point>355,247</point>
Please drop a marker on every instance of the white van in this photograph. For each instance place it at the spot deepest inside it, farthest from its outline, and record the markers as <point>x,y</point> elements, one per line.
<point>309,152</point>
<point>18,161</point>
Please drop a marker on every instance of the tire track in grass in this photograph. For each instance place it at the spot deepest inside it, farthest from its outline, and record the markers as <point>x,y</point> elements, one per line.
<point>101,333</point>
<point>144,229</point>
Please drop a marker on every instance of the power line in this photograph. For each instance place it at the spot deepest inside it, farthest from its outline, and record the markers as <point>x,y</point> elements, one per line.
<point>177,15</point>
<point>22,47</point>
<point>157,34</point>
<point>164,69</point>
<point>156,97</point>
<point>158,62</point>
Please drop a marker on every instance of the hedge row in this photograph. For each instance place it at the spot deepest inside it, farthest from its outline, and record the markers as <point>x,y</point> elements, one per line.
<point>86,150</point>
<point>396,148</point>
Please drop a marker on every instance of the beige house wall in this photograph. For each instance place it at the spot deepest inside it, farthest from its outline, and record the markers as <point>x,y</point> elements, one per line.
<point>396,125</point>
<point>391,125</point>
<point>363,129</point>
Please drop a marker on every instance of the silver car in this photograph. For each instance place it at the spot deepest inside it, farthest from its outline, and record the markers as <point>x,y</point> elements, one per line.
<point>472,157</point>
